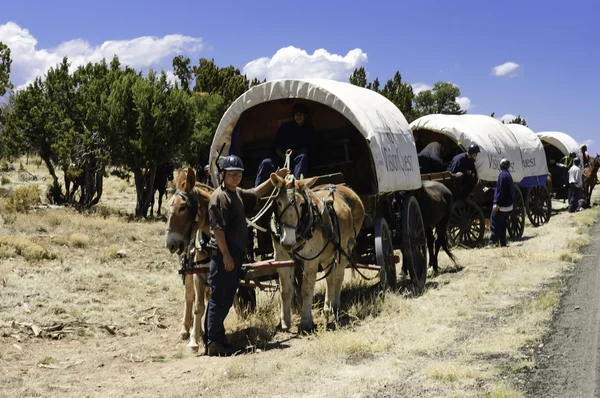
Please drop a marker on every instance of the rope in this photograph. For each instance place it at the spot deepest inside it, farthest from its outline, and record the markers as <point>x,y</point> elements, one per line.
<point>252,222</point>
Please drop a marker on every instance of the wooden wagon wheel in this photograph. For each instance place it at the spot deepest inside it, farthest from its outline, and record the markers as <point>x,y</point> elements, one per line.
<point>467,224</point>
<point>384,253</point>
<point>516,219</point>
<point>414,244</point>
<point>539,205</point>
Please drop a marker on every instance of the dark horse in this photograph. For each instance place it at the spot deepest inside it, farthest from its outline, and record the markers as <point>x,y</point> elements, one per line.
<point>590,177</point>
<point>435,201</point>
<point>164,173</point>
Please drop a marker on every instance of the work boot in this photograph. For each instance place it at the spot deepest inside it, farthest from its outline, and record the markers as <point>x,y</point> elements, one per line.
<point>215,349</point>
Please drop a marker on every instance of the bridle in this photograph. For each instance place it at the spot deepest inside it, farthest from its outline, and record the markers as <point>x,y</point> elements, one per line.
<point>186,258</point>
<point>307,215</point>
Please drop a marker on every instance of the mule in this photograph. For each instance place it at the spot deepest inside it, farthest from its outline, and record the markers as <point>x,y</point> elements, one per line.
<point>187,214</point>
<point>308,226</point>
<point>436,201</point>
<point>590,178</point>
<point>164,173</point>
<point>74,175</point>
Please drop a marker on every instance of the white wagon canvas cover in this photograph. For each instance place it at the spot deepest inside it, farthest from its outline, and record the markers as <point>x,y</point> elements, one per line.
<point>495,140</point>
<point>533,155</point>
<point>564,142</point>
<point>379,121</point>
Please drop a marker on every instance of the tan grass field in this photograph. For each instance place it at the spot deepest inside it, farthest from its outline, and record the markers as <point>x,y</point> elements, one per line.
<point>104,299</point>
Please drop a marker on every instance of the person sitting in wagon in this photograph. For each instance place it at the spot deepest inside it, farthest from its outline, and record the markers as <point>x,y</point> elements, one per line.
<point>430,158</point>
<point>464,173</point>
<point>296,135</point>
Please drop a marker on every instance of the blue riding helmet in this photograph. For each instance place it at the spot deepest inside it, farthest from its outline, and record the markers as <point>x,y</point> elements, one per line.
<point>231,163</point>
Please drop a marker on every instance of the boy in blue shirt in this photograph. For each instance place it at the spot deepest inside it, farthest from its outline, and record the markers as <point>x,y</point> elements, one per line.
<point>504,195</point>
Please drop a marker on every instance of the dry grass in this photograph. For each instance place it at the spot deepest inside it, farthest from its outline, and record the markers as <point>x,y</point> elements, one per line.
<point>460,339</point>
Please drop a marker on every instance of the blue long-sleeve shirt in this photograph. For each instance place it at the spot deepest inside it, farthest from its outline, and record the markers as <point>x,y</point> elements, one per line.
<point>504,193</point>
<point>461,163</point>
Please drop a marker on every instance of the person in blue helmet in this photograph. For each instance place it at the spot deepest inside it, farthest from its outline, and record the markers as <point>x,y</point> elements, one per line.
<point>464,173</point>
<point>296,135</point>
<point>504,196</point>
<point>227,210</point>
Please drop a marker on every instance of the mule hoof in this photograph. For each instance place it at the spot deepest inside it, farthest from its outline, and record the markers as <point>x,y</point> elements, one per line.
<point>192,345</point>
<point>306,327</point>
<point>184,335</point>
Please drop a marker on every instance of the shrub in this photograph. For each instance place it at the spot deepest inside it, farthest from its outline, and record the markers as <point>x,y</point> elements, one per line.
<point>23,199</point>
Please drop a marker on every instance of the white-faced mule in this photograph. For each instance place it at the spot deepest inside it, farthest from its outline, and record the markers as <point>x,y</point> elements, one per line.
<point>187,216</point>
<point>311,227</point>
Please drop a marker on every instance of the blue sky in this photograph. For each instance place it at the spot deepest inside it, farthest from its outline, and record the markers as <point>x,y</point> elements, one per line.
<point>556,45</point>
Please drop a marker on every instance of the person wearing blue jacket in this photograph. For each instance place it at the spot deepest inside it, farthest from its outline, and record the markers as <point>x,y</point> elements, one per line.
<point>504,195</point>
<point>464,172</point>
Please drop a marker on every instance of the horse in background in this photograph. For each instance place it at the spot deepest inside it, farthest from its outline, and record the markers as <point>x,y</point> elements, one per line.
<point>164,173</point>
<point>590,178</point>
<point>437,199</point>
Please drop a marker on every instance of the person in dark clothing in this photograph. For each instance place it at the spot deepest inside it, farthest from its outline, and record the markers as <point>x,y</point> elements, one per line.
<point>228,239</point>
<point>464,173</point>
<point>504,195</point>
<point>296,135</point>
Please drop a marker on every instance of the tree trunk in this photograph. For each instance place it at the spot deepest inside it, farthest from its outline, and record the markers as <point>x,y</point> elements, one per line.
<point>57,196</point>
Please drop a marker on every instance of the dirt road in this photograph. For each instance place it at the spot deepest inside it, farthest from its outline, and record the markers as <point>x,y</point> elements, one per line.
<point>568,364</point>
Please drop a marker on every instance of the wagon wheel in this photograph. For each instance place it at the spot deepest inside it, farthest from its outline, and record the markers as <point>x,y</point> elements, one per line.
<point>539,205</point>
<point>516,220</point>
<point>384,253</point>
<point>467,224</point>
<point>414,244</point>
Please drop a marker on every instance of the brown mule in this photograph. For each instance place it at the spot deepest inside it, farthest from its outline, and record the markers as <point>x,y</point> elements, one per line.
<point>304,227</point>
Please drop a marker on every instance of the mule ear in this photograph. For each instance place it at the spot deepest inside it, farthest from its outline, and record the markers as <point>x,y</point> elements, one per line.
<point>180,180</point>
<point>277,181</point>
<point>307,182</point>
<point>191,179</point>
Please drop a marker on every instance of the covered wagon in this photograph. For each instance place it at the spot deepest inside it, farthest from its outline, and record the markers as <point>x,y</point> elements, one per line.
<point>556,146</point>
<point>456,133</point>
<point>533,184</point>
<point>363,141</point>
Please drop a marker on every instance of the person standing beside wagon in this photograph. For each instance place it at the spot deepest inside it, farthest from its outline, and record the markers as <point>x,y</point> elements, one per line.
<point>575,186</point>
<point>504,195</point>
<point>229,237</point>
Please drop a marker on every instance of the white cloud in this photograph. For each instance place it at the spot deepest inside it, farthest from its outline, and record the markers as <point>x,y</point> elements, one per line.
<point>292,62</point>
<point>418,87</point>
<point>30,61</point>
<point>506,69</point>
<point>464,102</point>
<point>507,118</point>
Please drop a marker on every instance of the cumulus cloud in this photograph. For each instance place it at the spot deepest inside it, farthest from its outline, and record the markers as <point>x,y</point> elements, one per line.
<point>506,69</point>
<point>507,118</point>
<point>464,102</point>
<point>292,62</point>
<point>29,61</point>
<point>418,87</point>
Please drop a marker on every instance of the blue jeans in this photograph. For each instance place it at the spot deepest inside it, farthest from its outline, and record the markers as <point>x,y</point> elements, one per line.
<point>299,164</point>
<point>574,196</point>
<point>223,286</point>
<point>498,221</point>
